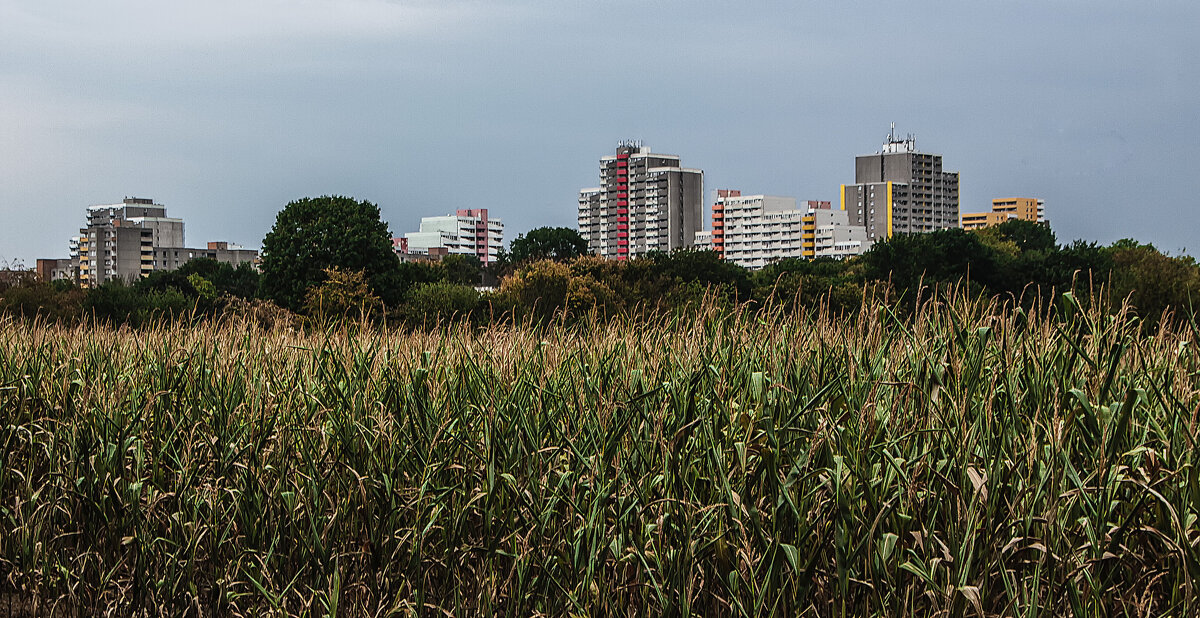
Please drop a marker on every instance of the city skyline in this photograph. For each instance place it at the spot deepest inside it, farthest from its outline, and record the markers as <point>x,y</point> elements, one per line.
<point>227,112</point>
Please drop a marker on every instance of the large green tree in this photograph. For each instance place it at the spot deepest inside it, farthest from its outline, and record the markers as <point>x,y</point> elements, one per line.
<point>313,234</point>
<point>547,243</point>
<point>943,256</point>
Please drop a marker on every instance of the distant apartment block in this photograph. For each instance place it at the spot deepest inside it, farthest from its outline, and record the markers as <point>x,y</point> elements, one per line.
<point>115,244</point>
<point>426,254</point>
<point>54,269</point>
<point>757,229</point>
<point>829,233</point>
<point>645,202</point>
<point>901,190</point>
<point>1006,209</point>
<point>134,238</point>
<point>467,232</point>
<point>753,231</point>
<point>170,258</point>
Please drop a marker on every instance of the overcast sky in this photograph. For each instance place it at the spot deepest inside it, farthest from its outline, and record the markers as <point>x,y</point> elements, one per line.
<point>226,110</point>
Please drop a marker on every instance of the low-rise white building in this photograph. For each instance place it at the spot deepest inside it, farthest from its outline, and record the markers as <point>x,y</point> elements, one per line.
<point>467,232</point>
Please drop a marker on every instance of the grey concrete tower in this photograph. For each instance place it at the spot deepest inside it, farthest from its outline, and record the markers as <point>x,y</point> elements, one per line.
<point>901,190</point>
<point>645,202</point>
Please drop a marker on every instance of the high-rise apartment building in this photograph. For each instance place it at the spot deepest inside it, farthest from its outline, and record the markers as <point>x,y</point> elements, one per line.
<point>467,232</point>
<point>1005,209</point>
<point>136,237</point>
<point>753,231</point>
<point>118,242</point>
<point>901,190</point>
<point>718,219</point>
<point>645,202</point>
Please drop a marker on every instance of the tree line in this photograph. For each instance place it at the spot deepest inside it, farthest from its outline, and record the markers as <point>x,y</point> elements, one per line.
<point>330,259</point>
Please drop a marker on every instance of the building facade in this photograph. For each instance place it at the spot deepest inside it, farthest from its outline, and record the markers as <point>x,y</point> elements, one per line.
<point>54,269</point>
<point>901,190</point>
<point>114,246</point>
<point>1005,209</point>
<point>170,258</point>
<point>759,229</point>
<point>133,239</point>
<point>467,232</point>
<point>645,202</point>
<point>753,231</point>
<point>829,233</point>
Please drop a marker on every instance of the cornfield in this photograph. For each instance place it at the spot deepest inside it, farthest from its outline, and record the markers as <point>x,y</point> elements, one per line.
<point>975,460</point>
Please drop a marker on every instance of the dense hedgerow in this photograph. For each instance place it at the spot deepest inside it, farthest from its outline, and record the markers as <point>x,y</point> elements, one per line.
<point>1017,261</point>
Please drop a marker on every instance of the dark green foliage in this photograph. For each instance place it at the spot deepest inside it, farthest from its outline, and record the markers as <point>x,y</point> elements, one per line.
<point>795,283</point>
<point>204,282</point>
<point>241,281</point>
<point>1154,283</point>
<point>1016,260</point>
<point>912,260</point>
<point>411,274</point>
<point>702,267</point>
<point>163,280</point>
<point>58,301</point>
<point>114,301</point>
<point>1026,235</point>
<point>461,269</point>
<point>117,303</point>
<point>429,304</point>
<point>313,234</point>
<point>547,243</point>
<point>62,285</point>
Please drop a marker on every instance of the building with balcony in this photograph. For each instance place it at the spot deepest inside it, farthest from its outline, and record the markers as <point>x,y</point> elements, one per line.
<point>829,233</point>
<point>645,202</point>
<point>134,238</point>
<point>753,231</point>
<point>1006,209</point>
<point>467,232</point>
<point>55,269</point>
<point>901,190</point>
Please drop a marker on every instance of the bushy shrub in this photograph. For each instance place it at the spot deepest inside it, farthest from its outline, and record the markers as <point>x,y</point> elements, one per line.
<point>344,294</point>
<point>55,301</point>
<point>433,303</point>
<point>114,303</point>
<point>1154,283</point>
<point>546,289</point>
